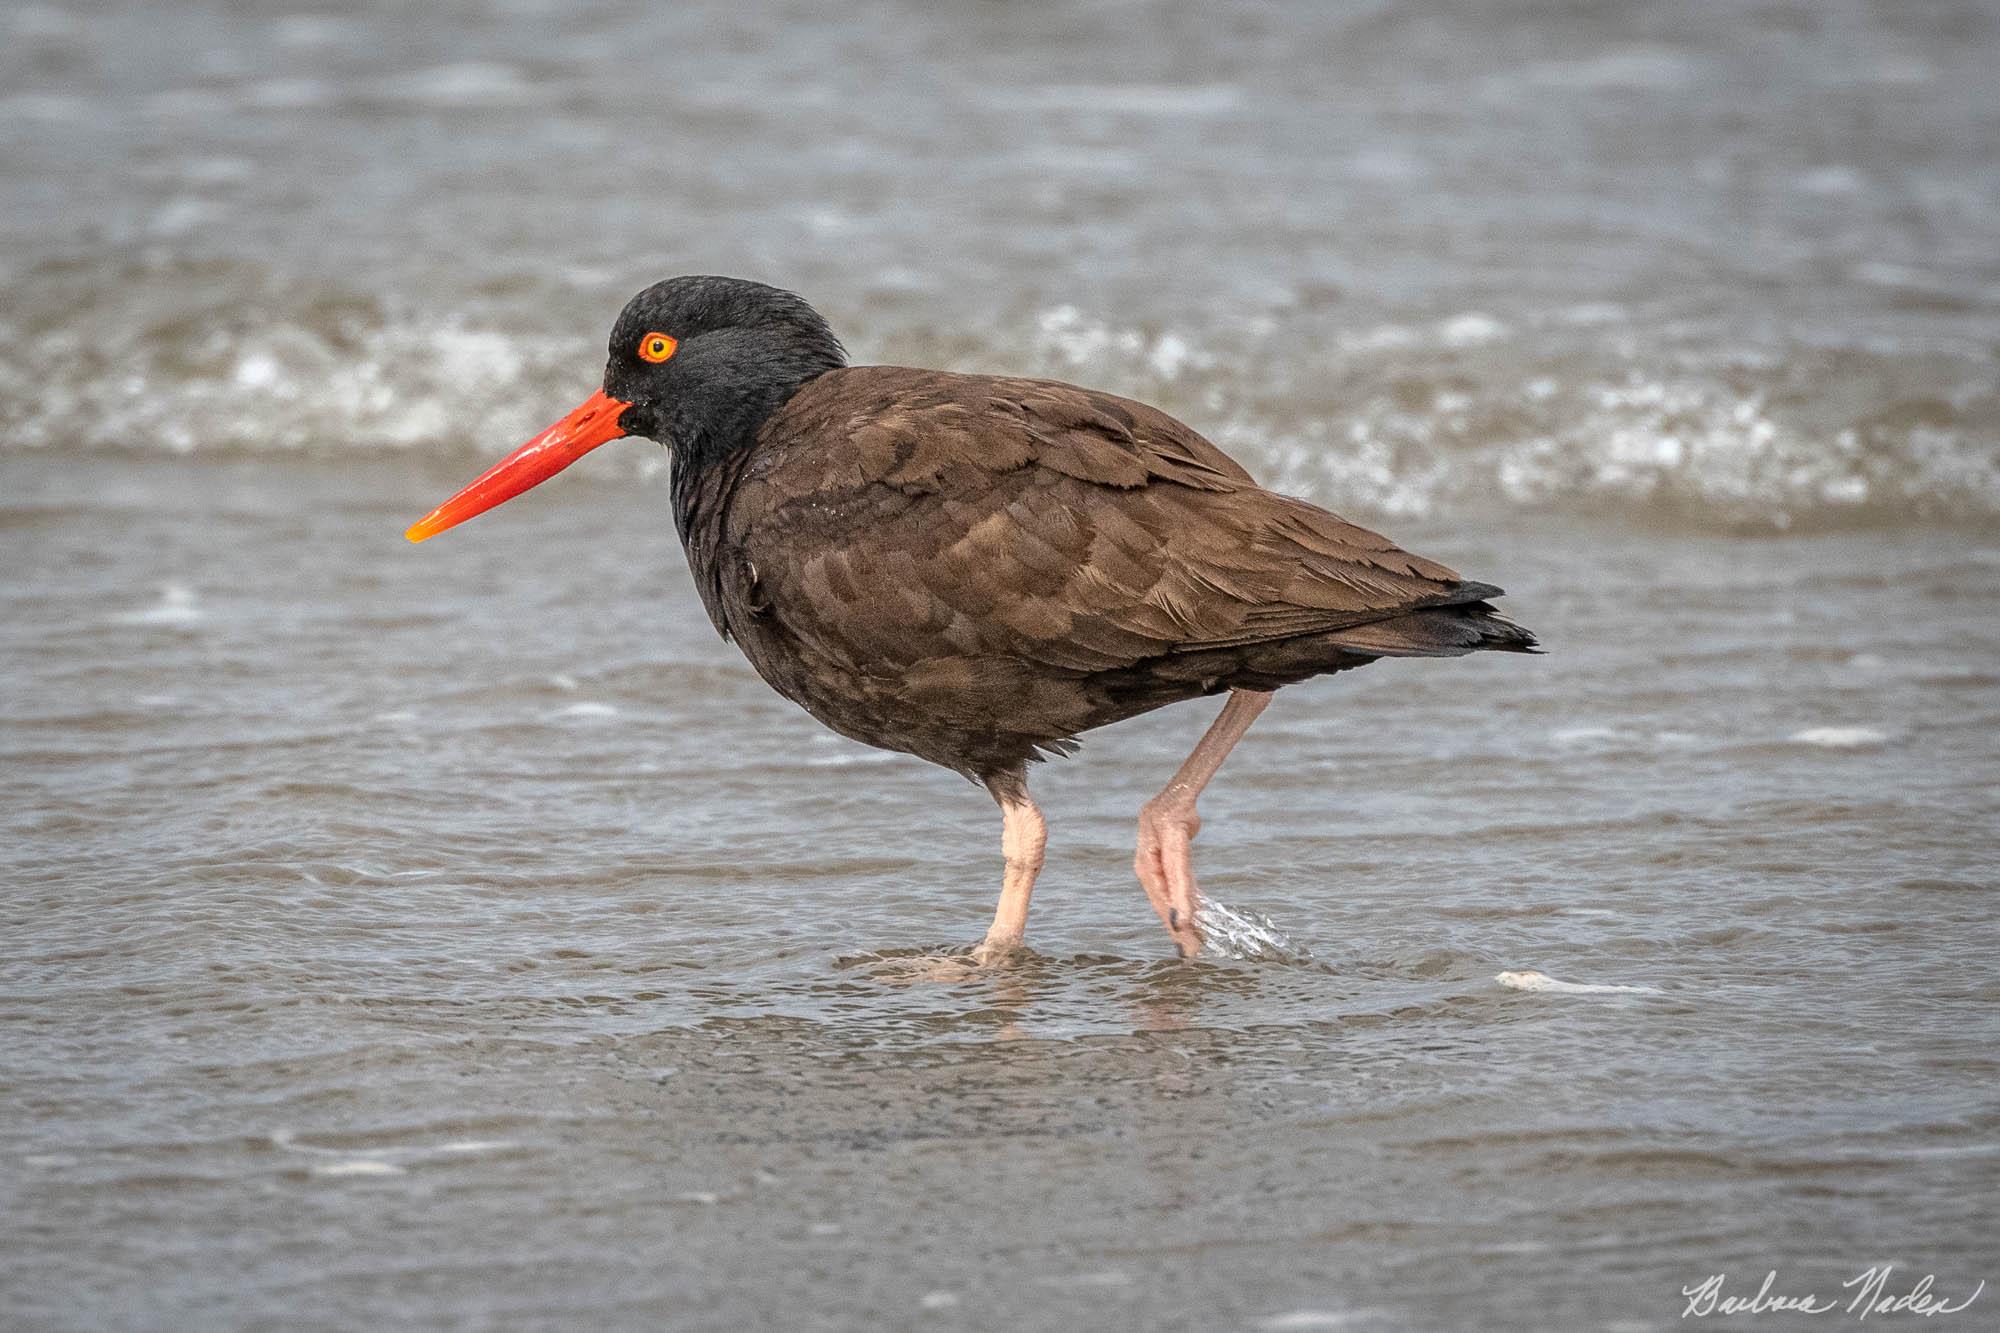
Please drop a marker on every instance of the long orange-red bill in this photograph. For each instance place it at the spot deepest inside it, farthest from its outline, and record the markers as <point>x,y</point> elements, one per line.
<point>593,423</point>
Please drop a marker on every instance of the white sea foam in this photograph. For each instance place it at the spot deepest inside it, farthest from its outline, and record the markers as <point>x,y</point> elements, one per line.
<point>1840,738</point>
<point>1542,981</point>
<point>1071,338</point>
<point>1471,330</point>
<point>1585,735</point>
<point>357,1166</point>
<point>853,755</point>
<point>177,606</point>
<point>1383,337</point>
<point>587,709</point>
<point>1309,1319</point>
<point>1249,935</point>
<point>1612,737</point>
<point>383,1161</point>
<point>1407,417</point>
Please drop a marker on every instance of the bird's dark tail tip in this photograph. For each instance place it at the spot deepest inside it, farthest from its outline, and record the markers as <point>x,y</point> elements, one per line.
<point>1501,635</point>
<point>1440,631</point>
<point>1473,602</point>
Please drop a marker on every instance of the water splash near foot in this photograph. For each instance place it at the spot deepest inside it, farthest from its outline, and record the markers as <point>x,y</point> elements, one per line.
<point>1246,935</point>
<point>1542,981</point>
<point>911,967</point>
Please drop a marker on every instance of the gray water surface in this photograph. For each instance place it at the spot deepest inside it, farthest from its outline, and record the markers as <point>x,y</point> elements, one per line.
<point>465,935</point>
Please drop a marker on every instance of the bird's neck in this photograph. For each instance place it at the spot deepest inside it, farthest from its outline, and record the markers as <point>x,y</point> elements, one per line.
<point>713,432</point>
<point>701,487</point>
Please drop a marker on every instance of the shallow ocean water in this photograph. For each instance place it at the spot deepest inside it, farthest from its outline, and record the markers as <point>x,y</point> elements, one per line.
<point>462,936</point>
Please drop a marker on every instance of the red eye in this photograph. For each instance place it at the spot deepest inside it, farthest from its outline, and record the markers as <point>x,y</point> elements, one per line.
<point>656,347</point>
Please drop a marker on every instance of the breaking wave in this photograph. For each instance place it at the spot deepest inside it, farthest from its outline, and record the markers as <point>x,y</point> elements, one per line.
<point>1570,409</point>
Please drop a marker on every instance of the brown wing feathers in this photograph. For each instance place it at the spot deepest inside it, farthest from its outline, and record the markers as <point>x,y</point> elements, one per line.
<point>985,516</point>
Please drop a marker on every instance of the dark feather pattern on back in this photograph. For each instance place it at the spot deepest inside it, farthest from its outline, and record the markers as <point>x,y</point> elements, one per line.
<point>975,569</point>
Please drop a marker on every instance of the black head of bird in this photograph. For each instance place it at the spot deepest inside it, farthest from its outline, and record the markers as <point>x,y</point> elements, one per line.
<point>697,363</point>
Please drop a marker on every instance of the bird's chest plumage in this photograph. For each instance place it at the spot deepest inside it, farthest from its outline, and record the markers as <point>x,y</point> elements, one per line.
<point>784,635</point>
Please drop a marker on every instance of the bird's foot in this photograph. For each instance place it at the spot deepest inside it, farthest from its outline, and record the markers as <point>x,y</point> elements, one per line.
<point>1165,866</point>
<point>997,950</point>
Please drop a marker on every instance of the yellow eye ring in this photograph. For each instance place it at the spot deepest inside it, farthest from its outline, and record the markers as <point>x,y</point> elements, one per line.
<point>657,347</point>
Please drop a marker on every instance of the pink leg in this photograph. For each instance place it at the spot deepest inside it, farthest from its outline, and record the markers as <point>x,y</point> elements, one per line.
<point>1023,834</point>
<point>1168,822</point>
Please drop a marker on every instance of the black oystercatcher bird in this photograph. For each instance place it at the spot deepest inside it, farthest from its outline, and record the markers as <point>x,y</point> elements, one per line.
<point>976,569</point>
